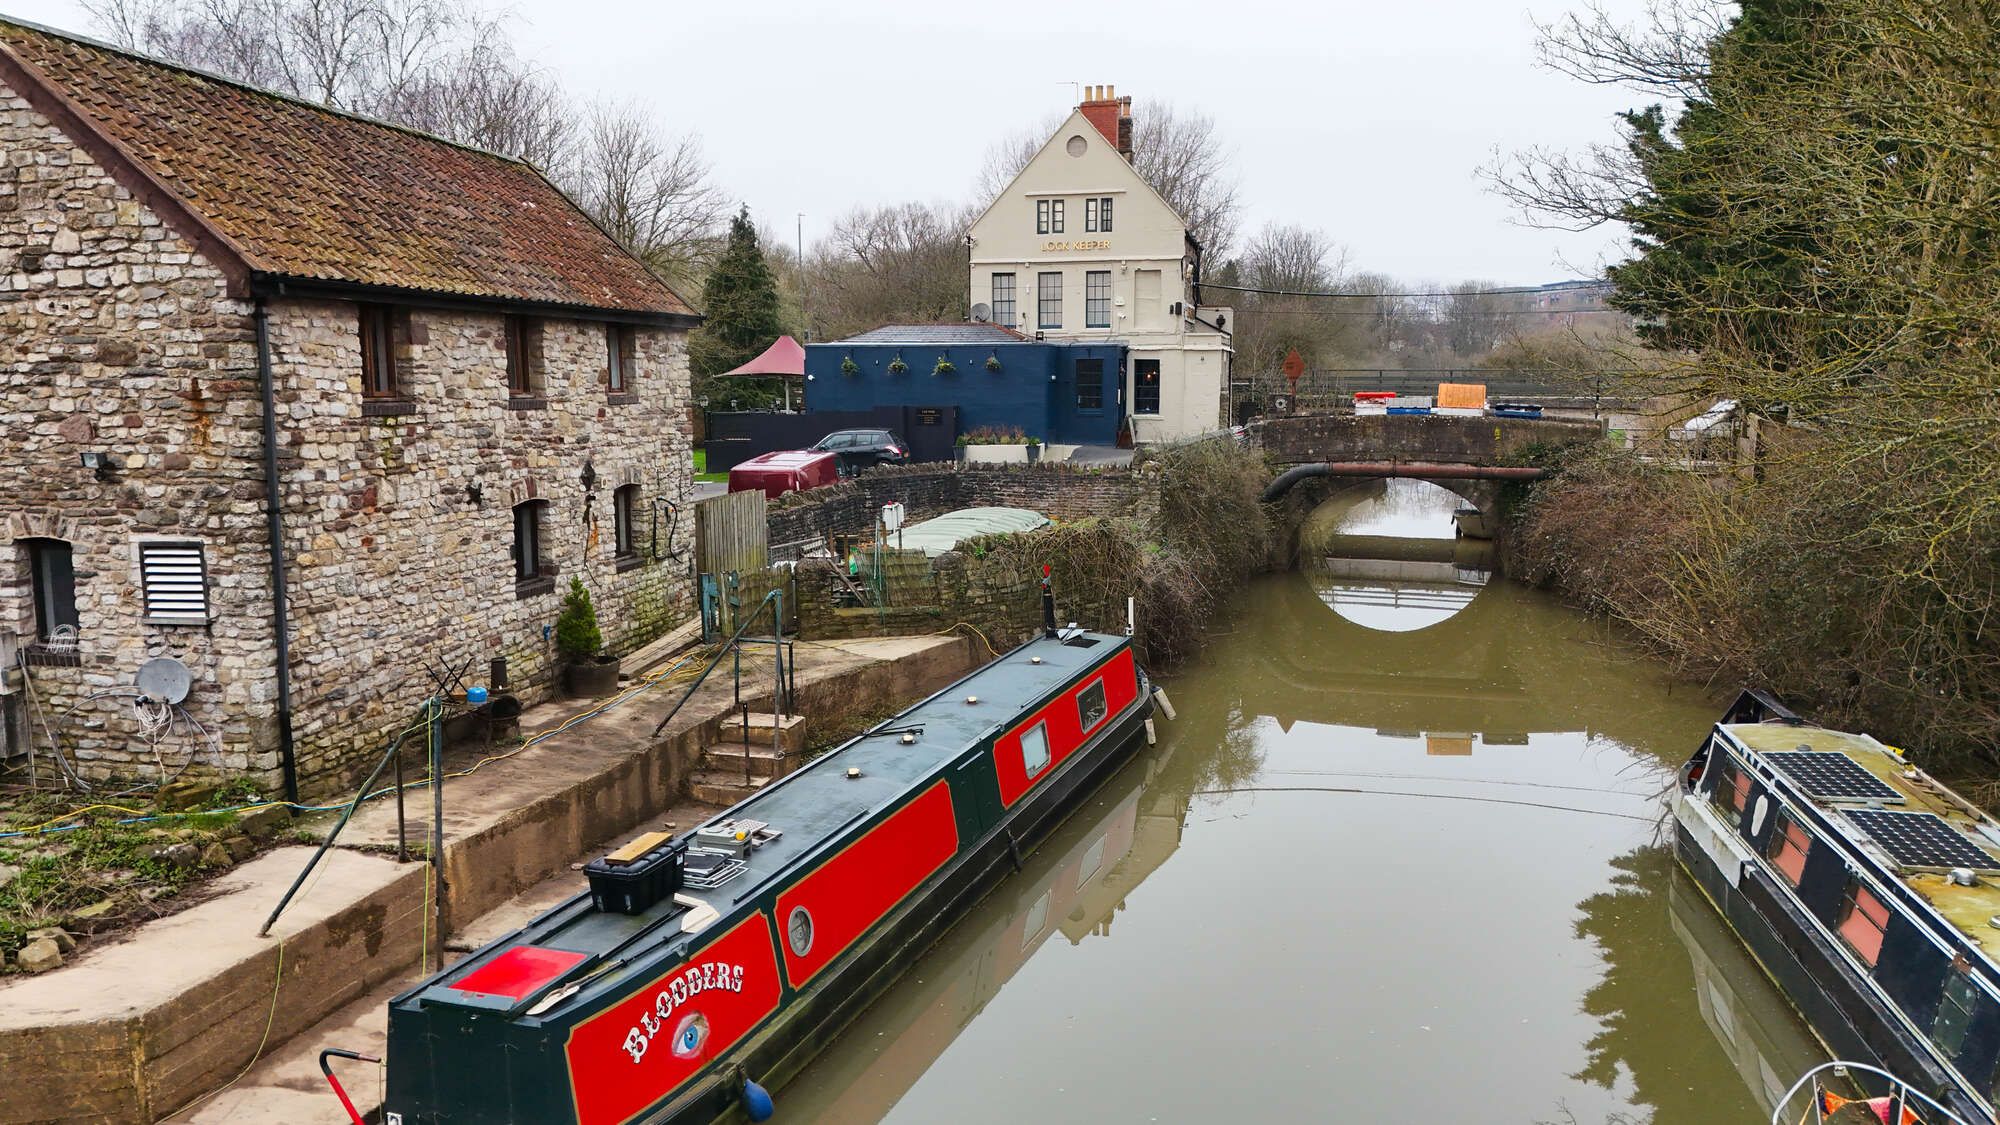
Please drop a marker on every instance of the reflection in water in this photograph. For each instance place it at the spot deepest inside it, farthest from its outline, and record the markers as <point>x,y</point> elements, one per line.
<point>1365,876</point>
<point>1385,556</point>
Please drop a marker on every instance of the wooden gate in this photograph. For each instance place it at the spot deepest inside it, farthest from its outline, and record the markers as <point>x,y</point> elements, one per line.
<point>731,532</point>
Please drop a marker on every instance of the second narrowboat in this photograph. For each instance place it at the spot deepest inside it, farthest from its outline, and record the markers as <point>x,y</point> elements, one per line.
<point>1868,890</point>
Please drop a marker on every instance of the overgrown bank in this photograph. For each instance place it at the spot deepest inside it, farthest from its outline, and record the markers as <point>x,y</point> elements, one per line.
<point>1790,582</point>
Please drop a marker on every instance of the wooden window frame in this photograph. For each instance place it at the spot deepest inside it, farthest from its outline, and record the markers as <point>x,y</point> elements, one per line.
<point>1055,216</point>
<point>1047,304</point>
<point>621,359</point>
<point>1090,215</point>
<point>1041,216</point>
<point>1095,405</point>
<point>377,325</point>
<point>532,572</point>
<point>1104,215</point>
<point>1006,321</point>
<point>1158,378</point>
<point>54,606</point>
<point>1097,308</point>
<point>521,338</point>
<point>624,517</point>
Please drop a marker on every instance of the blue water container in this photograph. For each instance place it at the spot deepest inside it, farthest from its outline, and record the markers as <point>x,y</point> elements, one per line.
<point>475,695</point>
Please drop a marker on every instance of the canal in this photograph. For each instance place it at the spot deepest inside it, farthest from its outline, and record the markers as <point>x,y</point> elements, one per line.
<point>1403,857</point>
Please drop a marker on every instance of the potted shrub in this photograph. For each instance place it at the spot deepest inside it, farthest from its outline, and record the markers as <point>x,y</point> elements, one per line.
<point>991,445</point>
<point>587,671</point>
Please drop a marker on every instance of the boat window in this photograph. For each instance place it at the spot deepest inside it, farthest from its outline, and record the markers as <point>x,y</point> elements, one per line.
<point>1732,786</point>
<point>1862,920</point>
<point>1789,845</point>
<point>1954,1012</point>
<point>1035,749</point>
<point>1090,706</point>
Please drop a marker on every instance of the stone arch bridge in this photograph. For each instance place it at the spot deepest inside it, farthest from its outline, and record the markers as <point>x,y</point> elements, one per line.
<point>1473,457</point>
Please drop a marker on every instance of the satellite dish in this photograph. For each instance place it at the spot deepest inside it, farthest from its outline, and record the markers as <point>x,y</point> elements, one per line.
<point>164,680</point>
<point>982,312</point>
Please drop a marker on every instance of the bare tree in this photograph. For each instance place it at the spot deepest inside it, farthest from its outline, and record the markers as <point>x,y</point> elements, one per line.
<point>448,67</point>
<point>899,263</point>
<point>651,190</point>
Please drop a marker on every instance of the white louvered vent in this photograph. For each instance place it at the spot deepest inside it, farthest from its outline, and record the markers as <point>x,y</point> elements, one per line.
<point>174,580</point>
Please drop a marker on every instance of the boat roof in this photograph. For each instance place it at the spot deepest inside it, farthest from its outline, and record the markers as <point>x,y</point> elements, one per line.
<point>813,807</point>
<point>783,459</point>
<point>1968,909</point>
<point>936,536</point>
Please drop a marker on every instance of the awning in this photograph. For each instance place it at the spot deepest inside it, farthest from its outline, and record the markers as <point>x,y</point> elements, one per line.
<point>785,357</point>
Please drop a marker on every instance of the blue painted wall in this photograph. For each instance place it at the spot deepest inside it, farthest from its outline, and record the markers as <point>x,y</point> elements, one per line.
<point>1034,391</point>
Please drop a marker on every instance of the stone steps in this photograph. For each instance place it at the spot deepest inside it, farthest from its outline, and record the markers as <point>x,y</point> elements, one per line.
<point>721,787</point>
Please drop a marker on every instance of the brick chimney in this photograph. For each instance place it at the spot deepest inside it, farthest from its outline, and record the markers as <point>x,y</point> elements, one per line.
<point>1111,114</point>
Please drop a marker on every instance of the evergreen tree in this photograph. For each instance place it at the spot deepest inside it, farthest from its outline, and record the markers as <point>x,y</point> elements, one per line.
<point>740,309</point>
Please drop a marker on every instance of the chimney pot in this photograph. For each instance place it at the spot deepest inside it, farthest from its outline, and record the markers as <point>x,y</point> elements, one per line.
<point>1110,93</point>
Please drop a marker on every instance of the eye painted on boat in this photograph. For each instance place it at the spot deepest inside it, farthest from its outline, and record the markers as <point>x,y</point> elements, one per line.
<point>690,1036</point>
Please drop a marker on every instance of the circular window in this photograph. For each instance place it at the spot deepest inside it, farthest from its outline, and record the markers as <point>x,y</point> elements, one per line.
<point>799,931</point>
<point>1076,145</point>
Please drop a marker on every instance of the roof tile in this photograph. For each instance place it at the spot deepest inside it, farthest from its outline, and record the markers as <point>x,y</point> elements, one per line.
<point>313,194</point>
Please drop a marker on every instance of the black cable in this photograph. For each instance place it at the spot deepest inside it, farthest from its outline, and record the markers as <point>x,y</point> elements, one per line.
<point>1461,293</point>
<point>1438,796</point>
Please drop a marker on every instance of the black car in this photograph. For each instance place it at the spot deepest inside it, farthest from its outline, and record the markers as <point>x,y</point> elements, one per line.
<point>856,450</point>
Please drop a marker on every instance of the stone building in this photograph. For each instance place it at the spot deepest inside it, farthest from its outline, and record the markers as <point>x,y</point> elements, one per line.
<point>465,392</point>
<point>1080,248</point>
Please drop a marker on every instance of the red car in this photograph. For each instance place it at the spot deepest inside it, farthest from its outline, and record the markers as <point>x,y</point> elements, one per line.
<point>788,470</point>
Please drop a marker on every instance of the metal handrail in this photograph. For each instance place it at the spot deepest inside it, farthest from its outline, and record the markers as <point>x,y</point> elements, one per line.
<point>1900,1092</point>
<point>774,598</point>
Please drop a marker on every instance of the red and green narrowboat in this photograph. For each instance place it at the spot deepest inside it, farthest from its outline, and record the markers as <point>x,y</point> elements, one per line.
<point>693,969</point>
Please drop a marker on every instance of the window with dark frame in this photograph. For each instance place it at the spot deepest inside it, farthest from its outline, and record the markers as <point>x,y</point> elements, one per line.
<point>1090,707</point>
<point>1954,1014</point>
<point>523,343</point>
<point>1048,300</point>
<point>1863,920</point>
<point>52,578</point>
<point>1003,299</point>
<point>1097,215</point>
<point>1090,384</point>
<point>378,351</point>
<point>1055,216</point>
<point>1097,299</point>
<point>1089,216</point>
<point>1041,216</point>
<point>1788,848</point>
<point>618,358</point>
<point>623,503</point>
<point>1104,215</point>
<point>1145,386</point>
<point>528,516</point>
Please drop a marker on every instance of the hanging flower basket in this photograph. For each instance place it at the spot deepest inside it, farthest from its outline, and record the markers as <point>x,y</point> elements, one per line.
<point>993,362</point>
<point>848,366</point>
<point>897,366</point>
<point>944,367</point>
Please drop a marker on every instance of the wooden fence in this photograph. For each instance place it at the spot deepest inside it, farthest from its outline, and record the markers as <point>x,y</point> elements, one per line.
<point>731,532</point>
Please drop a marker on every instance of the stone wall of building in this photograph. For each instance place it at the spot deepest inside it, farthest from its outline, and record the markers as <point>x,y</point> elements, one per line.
<point>401,526</point>
<point>116,337</point>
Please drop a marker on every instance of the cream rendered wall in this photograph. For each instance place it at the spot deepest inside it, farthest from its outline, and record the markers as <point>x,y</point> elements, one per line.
<point>1146,235</point>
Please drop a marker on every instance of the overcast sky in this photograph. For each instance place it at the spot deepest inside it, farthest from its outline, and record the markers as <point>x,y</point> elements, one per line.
<point>1366,119</point>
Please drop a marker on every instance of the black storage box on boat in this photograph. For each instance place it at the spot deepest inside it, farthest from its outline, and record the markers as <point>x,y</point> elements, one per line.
<point>629,886</point>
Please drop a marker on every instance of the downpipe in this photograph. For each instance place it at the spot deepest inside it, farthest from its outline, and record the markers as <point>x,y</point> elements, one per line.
<point>275,530</point>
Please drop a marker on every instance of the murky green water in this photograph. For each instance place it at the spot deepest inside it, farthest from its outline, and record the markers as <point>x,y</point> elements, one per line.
<point>1416,875</point>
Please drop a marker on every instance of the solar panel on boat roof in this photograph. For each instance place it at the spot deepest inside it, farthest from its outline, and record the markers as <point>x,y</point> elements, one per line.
<point>1832,775</point>
<point>1921,839</point>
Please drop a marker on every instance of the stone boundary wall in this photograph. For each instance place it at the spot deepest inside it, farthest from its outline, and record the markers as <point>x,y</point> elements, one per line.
<point>1059,491</point>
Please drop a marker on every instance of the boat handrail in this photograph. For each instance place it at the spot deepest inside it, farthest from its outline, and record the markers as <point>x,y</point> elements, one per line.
<point>1901,1091</point>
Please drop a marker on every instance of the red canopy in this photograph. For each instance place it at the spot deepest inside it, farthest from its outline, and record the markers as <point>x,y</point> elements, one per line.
<point>785,357</point>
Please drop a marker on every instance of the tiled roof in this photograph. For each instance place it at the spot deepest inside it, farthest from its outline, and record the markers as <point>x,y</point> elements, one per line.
<point>302,192</point>
<point>967,333</point>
